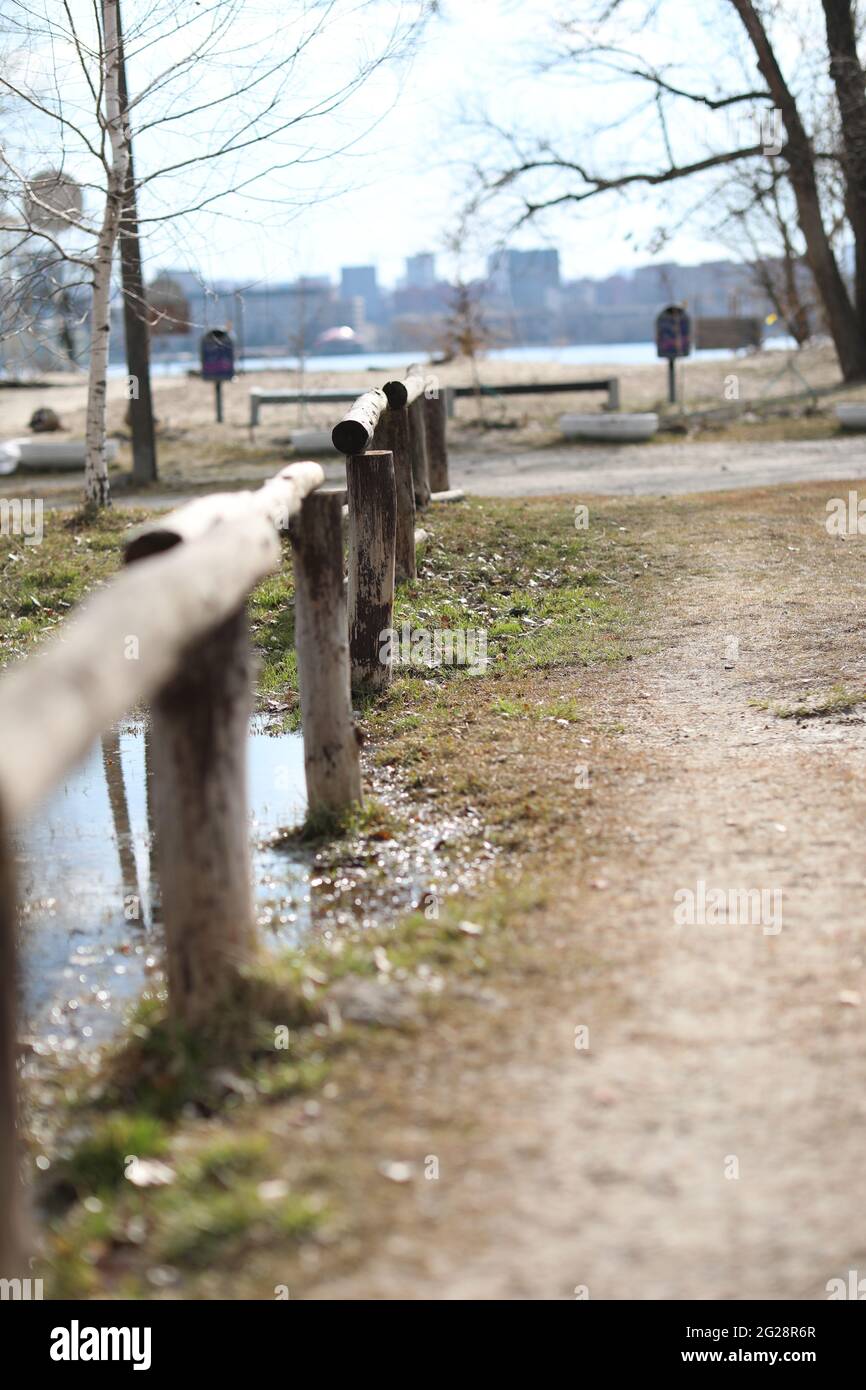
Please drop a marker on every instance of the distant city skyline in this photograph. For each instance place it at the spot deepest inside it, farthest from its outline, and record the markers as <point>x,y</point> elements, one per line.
<point>524,299</point>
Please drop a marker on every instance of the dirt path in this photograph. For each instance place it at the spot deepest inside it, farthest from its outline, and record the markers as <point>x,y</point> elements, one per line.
<point>709,1142</point>
<point>655,469</point>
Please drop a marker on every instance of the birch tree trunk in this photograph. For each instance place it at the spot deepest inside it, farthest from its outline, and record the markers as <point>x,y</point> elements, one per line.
<point>96,489</point>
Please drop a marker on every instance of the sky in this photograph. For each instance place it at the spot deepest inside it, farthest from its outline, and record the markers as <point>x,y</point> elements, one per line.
<point>410,130</point>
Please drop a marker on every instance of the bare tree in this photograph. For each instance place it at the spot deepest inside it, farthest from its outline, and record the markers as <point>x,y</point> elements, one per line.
<point>537,173</point>
<point>467,332</point>
<point>208,86</point>
<point>760,228</point>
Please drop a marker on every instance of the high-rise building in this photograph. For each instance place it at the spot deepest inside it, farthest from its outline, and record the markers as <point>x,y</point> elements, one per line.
<point>528,279</point>
<point>359,282</point>
<point>421,271</point>
<point>532,275</point>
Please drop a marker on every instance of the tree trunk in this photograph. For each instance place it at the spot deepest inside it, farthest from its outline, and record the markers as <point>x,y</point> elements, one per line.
<point>850,84</point>
<point>136,331</point>
<point>841,317</point>
<point>96,489</point>
<point>97,492</point>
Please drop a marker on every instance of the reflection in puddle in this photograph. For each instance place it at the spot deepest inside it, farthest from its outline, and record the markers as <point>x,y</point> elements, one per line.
<point>90,931</point>
<point>90,905</point>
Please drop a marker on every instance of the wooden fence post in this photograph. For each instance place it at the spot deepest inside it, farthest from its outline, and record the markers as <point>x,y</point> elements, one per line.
<point>331,759</point>
<point>437,448</point>
<point>199,740</point>
<point>392,435</point>
<point>372,501</point>
<point>418,449</point>
<point>11,1252</point>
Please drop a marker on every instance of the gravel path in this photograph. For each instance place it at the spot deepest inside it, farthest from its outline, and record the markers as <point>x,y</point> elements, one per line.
<point>656,469</point>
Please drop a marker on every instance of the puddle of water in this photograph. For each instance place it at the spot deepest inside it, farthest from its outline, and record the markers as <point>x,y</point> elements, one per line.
<point>90,939</point>
<point>90,931</point>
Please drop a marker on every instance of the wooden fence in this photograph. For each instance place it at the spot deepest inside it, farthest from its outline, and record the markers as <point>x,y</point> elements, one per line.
<point>172,629</point>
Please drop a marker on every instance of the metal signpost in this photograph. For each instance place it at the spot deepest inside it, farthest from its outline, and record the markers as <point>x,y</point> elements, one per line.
<point>673,340</point>
<point>217,363</point>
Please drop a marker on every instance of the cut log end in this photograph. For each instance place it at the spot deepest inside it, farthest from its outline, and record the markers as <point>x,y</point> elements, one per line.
<point>350,437</point>
<point>397,394</point>
<point>353,433</point>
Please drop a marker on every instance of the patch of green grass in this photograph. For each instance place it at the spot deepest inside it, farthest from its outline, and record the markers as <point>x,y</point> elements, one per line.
<point>368,819</point>
<point>568,710</point>
<point>291,1079</point>
<point>513,707</point>
<point>838,700</point>
<point>525,577</point>
<point>508,706</point>
<point>193,1231</point>
<point>98,1164</point>
<point>161,1066</point>
<point>40,584</point>
<point>225,1160</point>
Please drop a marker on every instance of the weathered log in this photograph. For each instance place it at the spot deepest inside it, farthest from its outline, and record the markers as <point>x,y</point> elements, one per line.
<point>372,539</point>
<point>200,721</point>
<point>435,422</point>
<point>392,435</point>
<point>122,647</point>
<point>418,452</point>
<point>352,435</point>
<point>11,1196</point>
<point>331,759</point>
<point>407,391</point>
<point>279,500</point>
